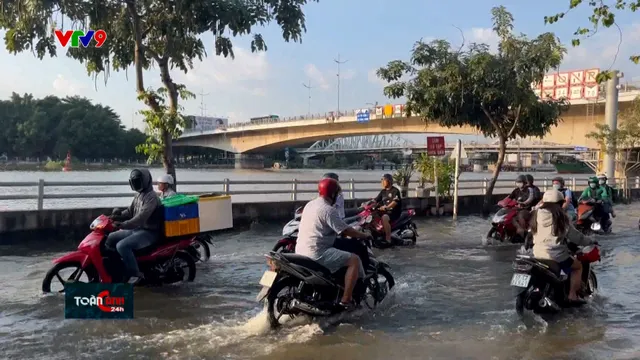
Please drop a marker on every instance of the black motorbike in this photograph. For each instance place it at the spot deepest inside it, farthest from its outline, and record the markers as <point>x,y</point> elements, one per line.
<point>543,288</point>
<point>296,285</point>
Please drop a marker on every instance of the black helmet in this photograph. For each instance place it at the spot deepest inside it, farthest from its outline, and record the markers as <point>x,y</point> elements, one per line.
<point>140,180</point>
<point>331,175</point>
<point>388,177</point>
<point>521,179</point>
<point>558,179</point>
<point>529,179</point>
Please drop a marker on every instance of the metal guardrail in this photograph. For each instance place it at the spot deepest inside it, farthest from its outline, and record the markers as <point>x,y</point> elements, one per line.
<point>226,186</point>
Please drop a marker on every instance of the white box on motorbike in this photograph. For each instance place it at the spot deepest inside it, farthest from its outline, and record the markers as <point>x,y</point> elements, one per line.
<point>215,213</point>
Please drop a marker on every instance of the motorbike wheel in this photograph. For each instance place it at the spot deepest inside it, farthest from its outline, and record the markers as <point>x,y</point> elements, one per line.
<point>54,272</point>
<point>276,301</point>
<point>592,283</point>
<point>520,303</point>
<point>203,249</point>
<point>190,266</point>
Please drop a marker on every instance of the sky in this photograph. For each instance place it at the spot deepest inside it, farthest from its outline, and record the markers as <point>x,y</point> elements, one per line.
<point>366,34</point>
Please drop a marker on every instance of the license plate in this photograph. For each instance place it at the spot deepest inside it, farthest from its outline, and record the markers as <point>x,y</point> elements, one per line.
<point>268,278</point>
<point>520,280</point>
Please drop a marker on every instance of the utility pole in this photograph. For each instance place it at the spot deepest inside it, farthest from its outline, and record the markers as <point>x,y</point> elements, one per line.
<point>309,87</point>
<point>203,107</point>
<point>337,61</point>
<point>611,118</point>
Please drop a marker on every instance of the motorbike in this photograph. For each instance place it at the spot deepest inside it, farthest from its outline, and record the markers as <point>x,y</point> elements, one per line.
<point>290,231</point>
<point>542,287</point>
<point>296,285</point>
<point>165,262</point>
<point>403,231</point>
<point>201,250</point>
<point>586,221</point>
<point>502,227</point>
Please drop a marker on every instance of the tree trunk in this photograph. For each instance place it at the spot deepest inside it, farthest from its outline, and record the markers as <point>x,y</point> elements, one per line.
<point>167,139</point>
<point>488,203</point>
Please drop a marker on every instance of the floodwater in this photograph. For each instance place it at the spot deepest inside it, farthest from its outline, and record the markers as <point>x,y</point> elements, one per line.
<point>452,301</point>
<point>471,184</point>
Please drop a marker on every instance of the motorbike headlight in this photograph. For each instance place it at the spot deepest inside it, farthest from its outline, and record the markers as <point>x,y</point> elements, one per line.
<point>368,219</point>
<point>94,224</point>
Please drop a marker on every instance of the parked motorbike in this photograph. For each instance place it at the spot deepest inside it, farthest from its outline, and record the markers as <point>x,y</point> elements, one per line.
<point>290,231</point>
<point>296,285</point>
<point>403,231</point>
<point>586,220</point>
<point>543,288</point>
<point>165,262</point>
<point>502,227</point>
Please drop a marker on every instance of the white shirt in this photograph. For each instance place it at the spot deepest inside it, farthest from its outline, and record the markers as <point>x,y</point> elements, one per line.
<point>319,226</point>
<point>339,205</point>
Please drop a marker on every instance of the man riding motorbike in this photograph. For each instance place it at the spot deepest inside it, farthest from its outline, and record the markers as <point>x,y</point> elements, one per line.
<point>536,190</point>
<point>319,226</point>
<point>596,193</point>
<point>141,229</point>
<point>551,231</point>
<point>603,183</point>
<point>392,204</point>
<point>340,199</point>
<point>568,206</point>
<point>525,196</point>
<point>164,186</point>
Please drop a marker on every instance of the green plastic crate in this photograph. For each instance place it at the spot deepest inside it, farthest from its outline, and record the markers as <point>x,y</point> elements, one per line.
<point>179,199</point>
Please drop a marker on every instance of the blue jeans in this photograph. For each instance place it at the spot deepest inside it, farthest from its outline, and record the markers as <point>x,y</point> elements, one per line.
<point>126,241</point>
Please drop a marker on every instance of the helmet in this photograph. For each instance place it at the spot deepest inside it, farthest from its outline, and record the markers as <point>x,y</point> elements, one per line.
<point>328,188</point>
<point>552,196</point>
<point>602,176</point>
<point>529,179</point>
<point>331,175</point>
<point>521,178</point>
<point>388,177</point>
<point>140,180</point>
<point>592,180</point>
<point>166,179</point>
<point>558,179</point>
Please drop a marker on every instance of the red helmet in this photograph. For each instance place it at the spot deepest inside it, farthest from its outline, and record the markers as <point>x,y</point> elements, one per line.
<point>328,188</point>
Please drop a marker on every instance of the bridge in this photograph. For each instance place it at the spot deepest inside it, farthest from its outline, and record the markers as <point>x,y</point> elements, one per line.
<point>246,138</point>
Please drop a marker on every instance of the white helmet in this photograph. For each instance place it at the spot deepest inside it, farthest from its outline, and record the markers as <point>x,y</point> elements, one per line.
<point>552,196</point>
<point>166,179</point>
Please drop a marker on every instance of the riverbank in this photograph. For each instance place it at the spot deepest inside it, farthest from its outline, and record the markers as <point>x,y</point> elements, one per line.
<point>73,224</point>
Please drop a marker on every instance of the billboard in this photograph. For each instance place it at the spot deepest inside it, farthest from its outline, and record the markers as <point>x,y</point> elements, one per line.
<point>206,123</point>
<point>572,85</point>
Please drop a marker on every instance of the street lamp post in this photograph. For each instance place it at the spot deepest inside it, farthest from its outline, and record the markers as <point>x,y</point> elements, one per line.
<point>337,61</point>
<point>309,87</point>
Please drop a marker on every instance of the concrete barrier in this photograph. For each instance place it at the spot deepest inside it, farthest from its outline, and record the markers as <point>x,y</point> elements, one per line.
<point>73,224</point>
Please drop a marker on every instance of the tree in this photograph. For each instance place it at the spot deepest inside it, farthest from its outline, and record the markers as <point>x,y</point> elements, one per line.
<point>52,126</point>
<point>475,87</point>
<point>623,141</point>
<point>142,33</point>
<point>602,15</point>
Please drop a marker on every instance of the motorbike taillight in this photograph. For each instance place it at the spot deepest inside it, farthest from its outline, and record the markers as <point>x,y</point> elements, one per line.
<point>273,266</point>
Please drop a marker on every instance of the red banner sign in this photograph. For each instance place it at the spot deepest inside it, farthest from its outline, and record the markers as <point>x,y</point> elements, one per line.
<point>435,145</point>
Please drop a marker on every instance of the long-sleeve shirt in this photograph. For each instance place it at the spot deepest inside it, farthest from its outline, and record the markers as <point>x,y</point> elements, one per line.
<point>141,211</point>
<point>547,245</point>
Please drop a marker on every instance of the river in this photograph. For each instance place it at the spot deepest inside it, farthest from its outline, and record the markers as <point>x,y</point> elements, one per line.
<point>208,175</point>
<point>452,301</point>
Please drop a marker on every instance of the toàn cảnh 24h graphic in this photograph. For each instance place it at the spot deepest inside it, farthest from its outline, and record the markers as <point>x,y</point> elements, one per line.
<point>78,37</point>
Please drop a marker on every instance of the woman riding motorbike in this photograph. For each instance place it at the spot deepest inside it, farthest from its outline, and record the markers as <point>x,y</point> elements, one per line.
<point>552,229</point>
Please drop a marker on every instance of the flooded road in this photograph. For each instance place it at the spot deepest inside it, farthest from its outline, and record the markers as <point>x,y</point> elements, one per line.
<point>452,301</point>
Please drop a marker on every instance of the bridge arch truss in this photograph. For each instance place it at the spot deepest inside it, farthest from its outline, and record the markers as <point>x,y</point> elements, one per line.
<point>360,143</point>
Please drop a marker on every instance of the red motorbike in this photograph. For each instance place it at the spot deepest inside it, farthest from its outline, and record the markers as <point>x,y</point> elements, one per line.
<point>165,262</point>
<point>403,230</point>
<point>502,227</point>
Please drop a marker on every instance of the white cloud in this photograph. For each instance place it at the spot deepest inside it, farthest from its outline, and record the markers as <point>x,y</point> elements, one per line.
<point>482,36</point>
<point>218,70</point>
<point>64,87</point>
<point>347,74</point>
<point>316,76</point>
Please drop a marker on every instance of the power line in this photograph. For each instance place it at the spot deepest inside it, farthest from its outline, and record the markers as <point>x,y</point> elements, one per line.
<point>309,87</point>
<point>337,61</point>
<point>203,107</point>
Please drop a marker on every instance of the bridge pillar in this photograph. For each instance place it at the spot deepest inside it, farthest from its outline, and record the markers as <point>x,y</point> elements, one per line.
<point>249,161</point>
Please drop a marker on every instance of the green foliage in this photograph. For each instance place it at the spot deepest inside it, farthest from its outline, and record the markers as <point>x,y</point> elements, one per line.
<point>53,165</point>
<point>472,86</point>
<point>52,126</point>
<point>602,15</point>
<point>445,169</point>
<point>402,176</point>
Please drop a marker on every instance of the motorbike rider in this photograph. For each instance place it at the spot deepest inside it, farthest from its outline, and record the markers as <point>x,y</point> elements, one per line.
<point>603,183</point>
<point>340,199</point>
<point>536,190</point>
<point>559,184</point>
<point>525,196</point>
<point>551,230</point>
<point>596,193</point>
<point>319,226</point>
<point>392,204</point>
<point>141,228</point>
<point>164,186</point>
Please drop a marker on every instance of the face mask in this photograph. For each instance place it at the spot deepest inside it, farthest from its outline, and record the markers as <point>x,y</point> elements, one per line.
<point>602,182</point>
<point>519,184</point>
<point>592,185</point>
<point>556,186</point>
